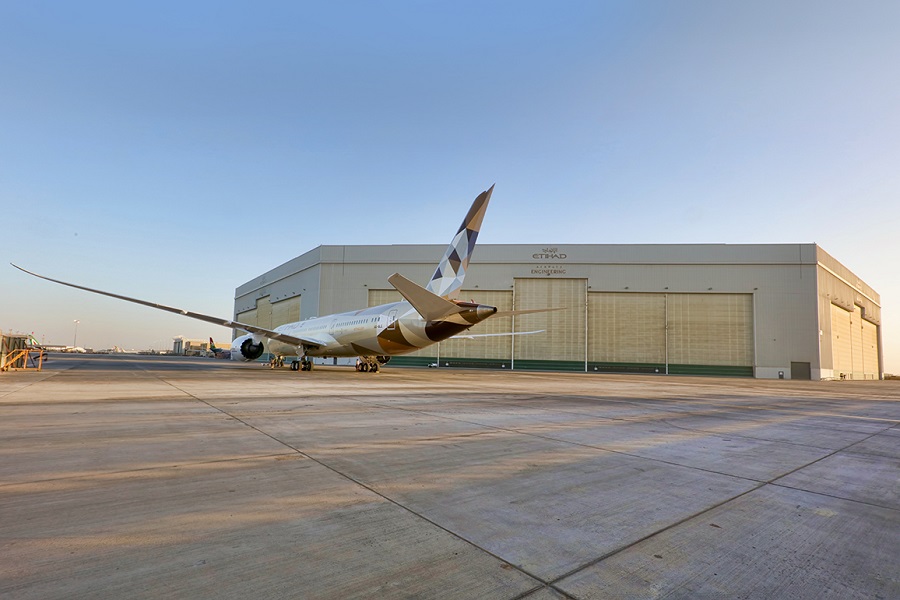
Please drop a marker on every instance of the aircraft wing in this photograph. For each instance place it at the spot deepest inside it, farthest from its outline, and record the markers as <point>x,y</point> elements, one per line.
<point>309,341</point>
<point>268,333</point>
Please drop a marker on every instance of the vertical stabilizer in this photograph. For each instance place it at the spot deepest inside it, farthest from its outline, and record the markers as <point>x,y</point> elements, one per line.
<point>448,278</point>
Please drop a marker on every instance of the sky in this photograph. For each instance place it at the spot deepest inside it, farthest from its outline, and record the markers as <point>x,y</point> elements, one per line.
<point>172,151</point>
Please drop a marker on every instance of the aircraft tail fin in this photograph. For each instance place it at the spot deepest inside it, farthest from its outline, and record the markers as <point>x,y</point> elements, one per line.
<point>428,304</point>
<point>448,278</point>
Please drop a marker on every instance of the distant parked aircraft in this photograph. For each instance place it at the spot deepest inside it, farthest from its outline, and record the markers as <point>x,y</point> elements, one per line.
<point>218,352</point>
<point>427,315</point>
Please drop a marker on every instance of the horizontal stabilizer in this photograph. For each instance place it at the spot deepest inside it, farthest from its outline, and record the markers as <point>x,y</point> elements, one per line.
<point>484,335</point>
<point>428,304</point>
<point>527,311</point>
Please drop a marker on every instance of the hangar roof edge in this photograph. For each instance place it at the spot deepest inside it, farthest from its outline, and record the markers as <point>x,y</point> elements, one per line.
<point>662,254</point>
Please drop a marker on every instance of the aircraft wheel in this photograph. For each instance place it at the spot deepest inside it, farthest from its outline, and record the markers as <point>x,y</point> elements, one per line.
<point>364,367</point>
<point>295,365</point>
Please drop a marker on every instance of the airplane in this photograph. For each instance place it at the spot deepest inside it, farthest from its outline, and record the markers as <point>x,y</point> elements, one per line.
<point>32,344</point>
<point>218,352</point>
<point>117,350</point>
<point>425,316</point>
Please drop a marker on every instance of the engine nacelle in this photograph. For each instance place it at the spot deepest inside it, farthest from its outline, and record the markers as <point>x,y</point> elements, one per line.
<point>246,348</point>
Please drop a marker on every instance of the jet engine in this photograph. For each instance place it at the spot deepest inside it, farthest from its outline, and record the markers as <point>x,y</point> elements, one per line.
<point>246,348</point>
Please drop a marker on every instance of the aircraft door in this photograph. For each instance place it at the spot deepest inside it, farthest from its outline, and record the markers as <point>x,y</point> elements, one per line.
<point>392,320</point>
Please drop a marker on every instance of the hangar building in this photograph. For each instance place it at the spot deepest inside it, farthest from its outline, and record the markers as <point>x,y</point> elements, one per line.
<point>762,310</point>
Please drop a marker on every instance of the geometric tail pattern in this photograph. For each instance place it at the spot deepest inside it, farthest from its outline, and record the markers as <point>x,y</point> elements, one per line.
<point>448,279</point>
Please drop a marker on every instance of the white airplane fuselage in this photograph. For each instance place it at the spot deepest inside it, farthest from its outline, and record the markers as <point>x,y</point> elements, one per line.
<point>388,329</point>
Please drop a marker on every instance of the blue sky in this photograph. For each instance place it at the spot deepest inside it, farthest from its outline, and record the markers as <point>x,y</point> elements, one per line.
<point>174,150</point>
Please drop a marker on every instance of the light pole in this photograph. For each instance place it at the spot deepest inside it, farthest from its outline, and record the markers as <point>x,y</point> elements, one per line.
<point>75,340</point>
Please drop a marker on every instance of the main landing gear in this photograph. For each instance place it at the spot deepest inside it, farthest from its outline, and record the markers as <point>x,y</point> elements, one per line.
<point>304,364</point>
<point>367,364</point>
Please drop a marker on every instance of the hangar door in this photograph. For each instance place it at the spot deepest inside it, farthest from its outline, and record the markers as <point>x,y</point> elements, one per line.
<point>627,328</point>
<point>710,330</point>
<point>564,337</point>
<point>286,311</point>
<point>260,316</point>
<point>377,297</point>
<point>673,333</point>
<point>854,344</point>
<point>248,317</point>
<point>841,345</point>
<point>270,315</point>
<point>870,349</point>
